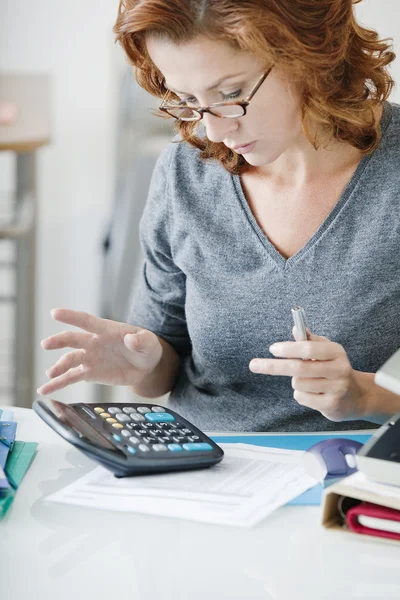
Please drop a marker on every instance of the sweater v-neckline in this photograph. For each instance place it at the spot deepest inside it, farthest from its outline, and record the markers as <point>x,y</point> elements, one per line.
<point>286,263</point>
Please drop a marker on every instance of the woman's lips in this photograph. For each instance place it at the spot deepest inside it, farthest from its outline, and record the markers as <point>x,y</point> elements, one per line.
<point>245,148</point>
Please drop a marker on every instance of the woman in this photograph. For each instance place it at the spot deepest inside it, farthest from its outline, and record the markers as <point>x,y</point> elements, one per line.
<point>282,190</point>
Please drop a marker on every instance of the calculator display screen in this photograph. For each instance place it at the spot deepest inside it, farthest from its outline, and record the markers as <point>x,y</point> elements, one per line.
<point>69,417</point>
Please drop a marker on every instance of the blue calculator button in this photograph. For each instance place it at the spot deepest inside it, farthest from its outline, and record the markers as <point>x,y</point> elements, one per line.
<point>175,447</point>
<point>131,449</point>
<point>116,437</point>
<point>159,417</point>
<point>197,446</point>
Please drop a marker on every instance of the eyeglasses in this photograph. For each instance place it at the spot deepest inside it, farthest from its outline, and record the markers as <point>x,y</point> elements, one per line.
<point>223,110</point>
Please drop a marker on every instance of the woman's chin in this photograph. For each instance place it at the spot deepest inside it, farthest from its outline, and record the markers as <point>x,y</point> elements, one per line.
<point>258,159</point>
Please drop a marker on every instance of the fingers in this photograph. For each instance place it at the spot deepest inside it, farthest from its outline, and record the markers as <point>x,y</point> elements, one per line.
<point>66,362</point>
<point>316,350</point>
<point>296,367</point>
<point>319,385</point>
<point>79,319</point>
<point>326,404</point>
<point>58,383</point>
<point>66,339</point>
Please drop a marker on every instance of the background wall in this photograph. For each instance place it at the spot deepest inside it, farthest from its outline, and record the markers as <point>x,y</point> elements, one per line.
<point>73,41</point>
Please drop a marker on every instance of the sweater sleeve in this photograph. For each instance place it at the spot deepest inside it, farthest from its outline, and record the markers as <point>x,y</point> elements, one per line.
<point>159,299</point>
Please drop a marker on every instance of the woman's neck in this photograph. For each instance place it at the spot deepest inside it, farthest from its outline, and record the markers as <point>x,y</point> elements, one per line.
<point>302,164</point>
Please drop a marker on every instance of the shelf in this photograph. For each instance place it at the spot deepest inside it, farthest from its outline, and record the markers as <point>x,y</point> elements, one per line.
<point>30,94</point>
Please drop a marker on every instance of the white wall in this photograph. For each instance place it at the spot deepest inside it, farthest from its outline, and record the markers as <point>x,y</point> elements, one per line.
<point>72,40</point>
<point>74,43</point>
<point>384,17</point>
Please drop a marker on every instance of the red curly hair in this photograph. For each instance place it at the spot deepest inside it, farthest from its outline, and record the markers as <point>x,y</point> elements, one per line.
<point>340,64</point>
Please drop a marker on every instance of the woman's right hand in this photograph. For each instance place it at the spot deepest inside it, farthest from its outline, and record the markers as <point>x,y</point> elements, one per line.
<point>105,351</point>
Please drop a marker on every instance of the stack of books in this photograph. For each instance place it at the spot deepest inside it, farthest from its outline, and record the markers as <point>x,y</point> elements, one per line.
<point>15,459</point>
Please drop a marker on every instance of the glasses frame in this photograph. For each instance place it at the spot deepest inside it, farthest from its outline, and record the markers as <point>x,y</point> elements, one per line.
<point>201,110</point>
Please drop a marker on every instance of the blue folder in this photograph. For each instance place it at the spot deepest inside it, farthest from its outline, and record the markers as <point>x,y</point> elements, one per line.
<point>7,436</point>
<point>18,462</point>
<point>291,442</point>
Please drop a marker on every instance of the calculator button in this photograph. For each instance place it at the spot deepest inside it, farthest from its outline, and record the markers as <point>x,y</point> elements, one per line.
<point>104,415</point>
<point>197,446</point>
<point>193,438</point>
<point>141,432</point>
<point>143,448</point>
<point>131,449</point>
<point>149,440</point>
<point>175,447</point>
<point>164,438</point>
<point>98,410</point>
<point>129,409</point>
<point>117,426</point>
<point>134,440</point>
<point>111,420</point>
<point>137,418</point>
<point>185,430</point>
<point>160,447</point>
<point>113,410</point>
<point>179,438</point>
<point>116,437</point>
<point>157,409</point>
<point>143,409</point>
<point>126,433</point>
<point>122,418</point>
<point>148,426</point>
<point>159,417</point>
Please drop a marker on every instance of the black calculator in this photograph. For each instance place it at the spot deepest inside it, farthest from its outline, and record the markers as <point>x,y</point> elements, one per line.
<point>131,439</point>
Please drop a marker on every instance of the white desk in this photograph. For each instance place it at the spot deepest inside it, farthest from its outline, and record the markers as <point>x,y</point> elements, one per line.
<point>54,552</point>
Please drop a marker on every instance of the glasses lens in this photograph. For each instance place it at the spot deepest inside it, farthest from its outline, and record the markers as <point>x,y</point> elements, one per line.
<point>183,113</point>
<point>228,111</point>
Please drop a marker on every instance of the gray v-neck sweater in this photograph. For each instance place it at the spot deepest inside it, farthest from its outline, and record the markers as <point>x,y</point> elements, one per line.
<point>218,291</point>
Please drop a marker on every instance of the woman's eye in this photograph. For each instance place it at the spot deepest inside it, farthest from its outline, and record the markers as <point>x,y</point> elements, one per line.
<point>192,101</point>
<point>186,101</point>
<point>233,95</point>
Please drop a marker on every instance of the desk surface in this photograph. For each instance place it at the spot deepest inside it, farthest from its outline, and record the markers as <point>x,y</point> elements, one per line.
<point>52,551</point>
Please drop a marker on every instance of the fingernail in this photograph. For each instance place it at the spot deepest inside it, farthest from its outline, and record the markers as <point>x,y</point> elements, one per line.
<point>48,373</point>
<point>39,392</point>
<point>274,348</point>
<point>255,366</point>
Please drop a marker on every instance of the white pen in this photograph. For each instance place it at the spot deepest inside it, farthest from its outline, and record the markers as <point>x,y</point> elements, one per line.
<point>299,319</point>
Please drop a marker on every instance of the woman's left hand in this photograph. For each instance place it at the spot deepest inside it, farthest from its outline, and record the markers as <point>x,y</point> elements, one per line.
<point>322,376</point>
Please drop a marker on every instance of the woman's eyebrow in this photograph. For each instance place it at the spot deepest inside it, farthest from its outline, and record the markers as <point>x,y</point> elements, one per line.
<point>213,86</point>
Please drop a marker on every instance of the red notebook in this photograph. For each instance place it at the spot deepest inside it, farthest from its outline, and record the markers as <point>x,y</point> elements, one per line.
<point>373,519</point>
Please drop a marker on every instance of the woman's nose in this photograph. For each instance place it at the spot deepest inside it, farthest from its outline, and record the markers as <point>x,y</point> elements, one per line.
<point>218,129</point>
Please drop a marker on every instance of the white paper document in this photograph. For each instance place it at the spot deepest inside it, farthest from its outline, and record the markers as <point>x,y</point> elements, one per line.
<point>246,486</point>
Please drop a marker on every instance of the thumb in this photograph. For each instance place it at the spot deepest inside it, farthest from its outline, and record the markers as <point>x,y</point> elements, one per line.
<point>312,337</point>
<point>143,341</point>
